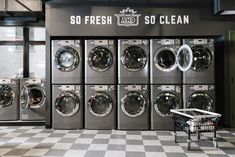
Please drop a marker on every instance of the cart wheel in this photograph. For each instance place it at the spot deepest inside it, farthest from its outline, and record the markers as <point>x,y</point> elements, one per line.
<point>189,144</point>
<point>215,143</point>
<point>175,138</point>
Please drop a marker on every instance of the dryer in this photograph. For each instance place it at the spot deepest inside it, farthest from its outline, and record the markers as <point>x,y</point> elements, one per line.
<point>100,107</point>
<point>133,61</point>
<point>100,62</point>
<point>202,68</point>
<point>133,107</point>
<point>9,99</point>
<point>32,100</point>
<point>67,109</point>
<point>163,62</point>
<point>163,99</point>
<point>66,62</point>
<point>199,96</point>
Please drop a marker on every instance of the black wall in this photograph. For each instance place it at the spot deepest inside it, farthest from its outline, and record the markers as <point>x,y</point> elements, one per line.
<point>202,23</point>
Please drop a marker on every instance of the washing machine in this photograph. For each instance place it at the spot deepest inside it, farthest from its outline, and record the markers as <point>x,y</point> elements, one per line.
<point>163,99</point>
<point>66,62</point>
<point>9,99</point>
<point>199,96</point>
<point>67,110</point>
<point>133,61</point>
<point>100,107</point>
<point>100,62</point>
<point>202,68</point>
<point>32,100</point>
<point>133,107</point>
<point>163,64</point>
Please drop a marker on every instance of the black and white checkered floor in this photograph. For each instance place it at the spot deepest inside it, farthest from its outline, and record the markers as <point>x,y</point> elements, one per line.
<point>37,141</point>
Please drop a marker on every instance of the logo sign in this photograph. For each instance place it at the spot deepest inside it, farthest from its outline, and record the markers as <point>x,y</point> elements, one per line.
<point>128,17</point>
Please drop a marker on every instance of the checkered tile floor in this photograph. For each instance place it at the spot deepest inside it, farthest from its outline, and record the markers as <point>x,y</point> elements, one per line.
<point>37,141</point>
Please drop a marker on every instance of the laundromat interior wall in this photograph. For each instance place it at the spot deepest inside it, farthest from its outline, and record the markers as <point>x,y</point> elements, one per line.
<point>202,23</point>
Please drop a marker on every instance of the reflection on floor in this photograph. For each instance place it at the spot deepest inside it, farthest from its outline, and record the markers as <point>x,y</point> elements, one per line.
<point>37,141</point>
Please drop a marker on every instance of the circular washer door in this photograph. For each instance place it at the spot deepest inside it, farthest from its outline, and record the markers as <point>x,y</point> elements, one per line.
<point>202,58</point>
<point>164,102</point>
<point>134,58</point>
<point>7,96</point>
<point>100,104</point>
<point>100,59</point>
<point>67,59</point>
<point>67,104</point>
<point>37,96</point>
<point>133,104</point>
<point>200,101</point>
<point>184,58</point>
<point>165,59</point>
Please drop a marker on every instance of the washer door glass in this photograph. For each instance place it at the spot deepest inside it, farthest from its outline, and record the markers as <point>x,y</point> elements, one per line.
<point>37,96</point>
<point>25,97</point>
<point>200,101</point>
<point>134,58</point>
<point>100,104</point>
<point>164,102</point>
<point>100,59</point>
<point>202,58</point>
<point>67,59</point>
<point>67,104</point>
<point>133,104</point>
<point>7,96</point>
<point>184,58</point>
<point>164,59</point>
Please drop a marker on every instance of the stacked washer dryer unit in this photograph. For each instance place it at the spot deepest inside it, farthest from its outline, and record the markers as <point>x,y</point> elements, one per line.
<point>133,80</point>
<point>199,89</point>
<point>9,100</point>
<point>67,91</point>
<point>166,80</point>
<point>100,88</point>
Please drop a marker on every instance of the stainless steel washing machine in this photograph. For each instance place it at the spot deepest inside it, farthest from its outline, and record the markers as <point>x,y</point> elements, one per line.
<point>66,62</point>
<point>32,100</point>
<point>163,64</point>
<point>133,61</point>
<point>67,107</point>
<point>100,62</point>
<point>202,68</point>
<point>133,107</point>
<point>9,99</point>
<point>199,96</point>
<point>163,99</point>
<point>100,107</point>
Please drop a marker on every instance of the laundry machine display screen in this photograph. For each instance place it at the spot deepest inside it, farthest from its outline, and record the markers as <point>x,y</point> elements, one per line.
<point>6,96</point>
<point>100,59</point>
<point>133,104</point>
<point>134,58</point>
<point>67,104</point>
<point>166,59</point>
<point>200,101</point>
<point>164,102</point>
<point>67,59</point>
<point>100,104</point>
<point>202,58</point>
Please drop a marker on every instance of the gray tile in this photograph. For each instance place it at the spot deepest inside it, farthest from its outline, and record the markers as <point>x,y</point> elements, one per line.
<point>87,136</point>
<point>34,140</point>
<point>44,146</point>
<point>5,139</point>
<point>27,135</point>
<point>20,131</point>
<point>56,152</point>
<point>95,154</point>
<point>80,146</point>
<point>192,149</point>
<point>134,142</point>
<point>10,145</point>
<point>164,133</point>
<point>226,134</point>
<point>116,147</point>
<point>57,135</point>
<point>146,137</point>
<point>100,141</point>
<point>67,140</point>
<point>118,137</point>
<point>217,155</point>
<point>133,133</point>
<point>229,150</point>
<point>205,143</point>
<point>2,134</point>
<point>135,154</point>
<point>153,149</point>
<point>176,155</point>
<point>169,143</point>
<point>104,131</point>
<point>17,152</point>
